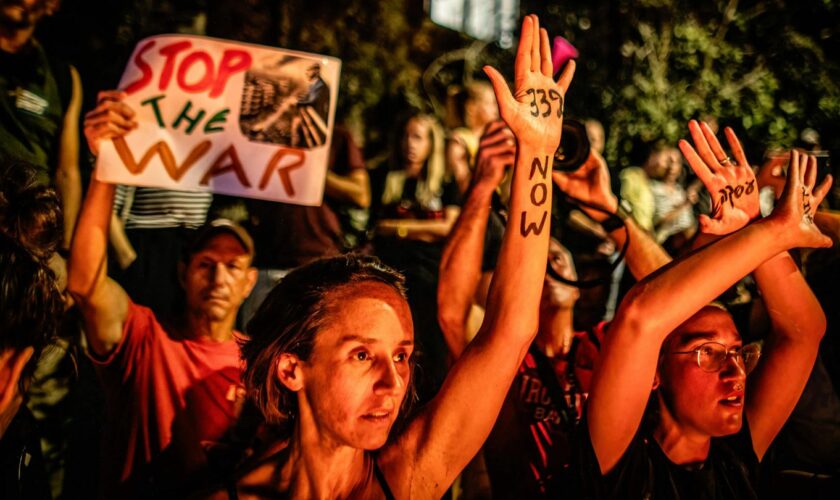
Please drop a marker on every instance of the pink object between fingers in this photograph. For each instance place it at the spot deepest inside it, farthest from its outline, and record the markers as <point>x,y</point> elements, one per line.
<point>561,52</point>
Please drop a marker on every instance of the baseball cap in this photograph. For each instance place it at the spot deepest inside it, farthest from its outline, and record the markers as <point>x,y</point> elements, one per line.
<point>216,227</point>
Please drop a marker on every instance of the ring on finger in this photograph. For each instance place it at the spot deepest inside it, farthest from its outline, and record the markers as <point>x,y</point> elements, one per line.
<point>725,161</point>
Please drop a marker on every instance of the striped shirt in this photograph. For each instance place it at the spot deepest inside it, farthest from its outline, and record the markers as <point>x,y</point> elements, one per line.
<point>148,208</point>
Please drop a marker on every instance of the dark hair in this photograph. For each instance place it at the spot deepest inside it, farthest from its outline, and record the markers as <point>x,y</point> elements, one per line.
<point>30,211</point>
<point>290,317</point>
<point>31,305</point>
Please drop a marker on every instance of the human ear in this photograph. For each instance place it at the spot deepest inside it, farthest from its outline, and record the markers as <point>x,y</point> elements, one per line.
<point>656,381</point>
<point>289,371</point>
<point>182,274</point>
<point>251,275</point>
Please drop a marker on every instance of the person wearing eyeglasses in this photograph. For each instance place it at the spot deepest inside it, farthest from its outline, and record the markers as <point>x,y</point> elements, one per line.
<point>679,407</point>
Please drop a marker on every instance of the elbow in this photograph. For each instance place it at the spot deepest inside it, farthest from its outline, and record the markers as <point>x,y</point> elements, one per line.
<point>77,287</point>
<point>79,284</point>
<point>819,326</point>
<point>453,333</point>
<point>633,314</point>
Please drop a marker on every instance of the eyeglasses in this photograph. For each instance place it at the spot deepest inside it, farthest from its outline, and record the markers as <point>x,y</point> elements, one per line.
<point>712,356</point>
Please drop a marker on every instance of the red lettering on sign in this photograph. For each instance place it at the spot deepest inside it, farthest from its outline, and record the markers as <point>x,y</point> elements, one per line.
<point>145,70</point>
<point>285,178</point>
<point>219,167</point>
<point>188,62</point>
<point>209,77</point>
<point>169,52</point>
<point>166,157</point>
<point>233,61</point>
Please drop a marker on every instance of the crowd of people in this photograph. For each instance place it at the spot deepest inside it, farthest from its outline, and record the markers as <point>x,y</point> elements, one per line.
<point>458,321</point>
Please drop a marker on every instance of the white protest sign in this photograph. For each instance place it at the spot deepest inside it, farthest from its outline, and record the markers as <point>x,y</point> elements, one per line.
<point>226,117</point>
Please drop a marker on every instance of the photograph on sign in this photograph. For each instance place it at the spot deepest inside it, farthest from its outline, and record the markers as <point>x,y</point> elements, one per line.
<point>286,102</point>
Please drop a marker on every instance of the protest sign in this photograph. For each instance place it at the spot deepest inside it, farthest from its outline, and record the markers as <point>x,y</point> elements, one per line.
<point>226,117</point>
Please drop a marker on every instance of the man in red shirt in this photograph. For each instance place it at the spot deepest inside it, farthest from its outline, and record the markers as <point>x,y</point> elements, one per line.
<point>174,389</point>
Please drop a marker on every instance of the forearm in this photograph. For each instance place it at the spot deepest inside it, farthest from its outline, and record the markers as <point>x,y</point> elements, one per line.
<point>69,185</point>
<point>585,224</point>
<point>513,301</point>
<point>692,282</point>
<point>353,189</point>
<point>644,255</point>
<point>460,267</point>
<point>87,269</point>
<point>794,311</point>
<point>415,229</point>
<point>123,248</point>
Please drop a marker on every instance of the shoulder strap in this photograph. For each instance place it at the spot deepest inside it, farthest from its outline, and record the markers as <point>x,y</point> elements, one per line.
<point>549,378</point>
<point>380,478</point>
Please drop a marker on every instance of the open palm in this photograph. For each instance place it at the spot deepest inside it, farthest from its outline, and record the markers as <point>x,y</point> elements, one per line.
<point>731,183</point>
<point>534,111</point>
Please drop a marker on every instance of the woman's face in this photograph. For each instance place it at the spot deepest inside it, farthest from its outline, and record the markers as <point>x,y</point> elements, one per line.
<point>704,403</point>
<point>357,375</point>
<point>417,141</point>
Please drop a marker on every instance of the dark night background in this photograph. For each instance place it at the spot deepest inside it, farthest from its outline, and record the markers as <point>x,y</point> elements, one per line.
<point>767,68</point>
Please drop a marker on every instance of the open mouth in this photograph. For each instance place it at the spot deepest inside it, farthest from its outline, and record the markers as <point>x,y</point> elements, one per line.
<point>378,416</point>
<point>735,401</point>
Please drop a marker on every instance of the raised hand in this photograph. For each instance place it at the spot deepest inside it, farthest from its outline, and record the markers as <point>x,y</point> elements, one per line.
<point>590,184</point>
<point>730,182</point>
<point>534,111</point>
<point>799,202</point>
<point>109,119</point>
<point>772,173</point>
<point>496,153</point>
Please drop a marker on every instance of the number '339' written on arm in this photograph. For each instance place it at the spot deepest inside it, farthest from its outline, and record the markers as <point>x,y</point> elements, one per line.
<point>544,105</point>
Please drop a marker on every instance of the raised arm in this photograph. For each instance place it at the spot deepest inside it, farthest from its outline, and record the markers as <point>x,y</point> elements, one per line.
<point>451,429</point>
<point>590,184</point>
<point>622,382</point>
<point>68,180</point>
<point>104,304</point>
<point>460,265</point>
<point>797,320</point>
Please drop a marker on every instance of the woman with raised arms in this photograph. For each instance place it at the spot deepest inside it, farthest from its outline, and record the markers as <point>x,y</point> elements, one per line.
<point>674,410</point>
<point>330,350</point>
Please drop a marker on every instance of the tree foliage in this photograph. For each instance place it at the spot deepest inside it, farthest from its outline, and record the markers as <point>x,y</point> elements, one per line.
<point>769,68</point>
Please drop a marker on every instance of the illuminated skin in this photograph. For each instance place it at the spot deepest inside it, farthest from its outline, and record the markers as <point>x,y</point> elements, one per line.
<point>695,404</point>
<point>328,455</point>
<point>691,405</point>
<point>416,144</point>
<point>217,279</point>
<point>356,378</point>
